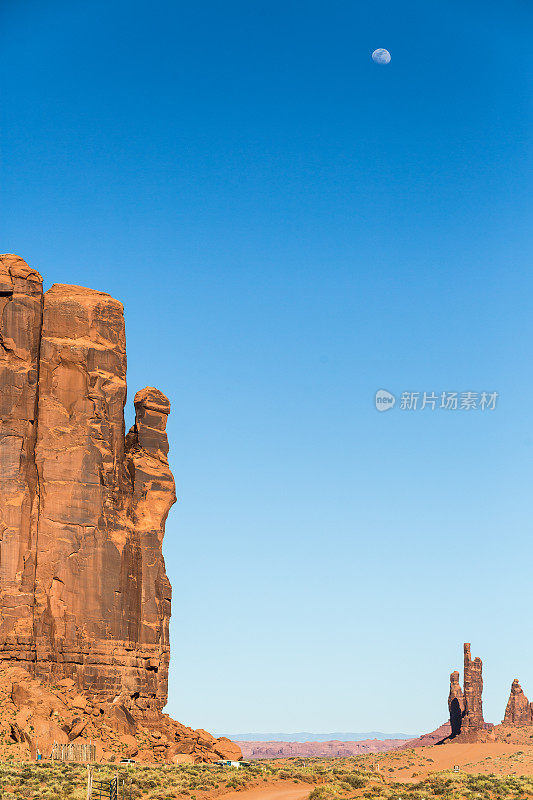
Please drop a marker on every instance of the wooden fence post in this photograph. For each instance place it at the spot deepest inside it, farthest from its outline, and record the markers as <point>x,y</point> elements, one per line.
<point>89,781</point>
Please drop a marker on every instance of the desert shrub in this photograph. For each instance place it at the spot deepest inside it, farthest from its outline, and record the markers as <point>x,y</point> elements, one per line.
<point>325,792</point>
<point>355,781</point>
<point>375,792</point>
<point>306,776</point>
<point>236,782</point>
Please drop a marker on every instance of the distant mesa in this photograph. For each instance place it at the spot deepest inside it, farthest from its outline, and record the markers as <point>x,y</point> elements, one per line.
<point>315,737</point>
<point>316,749</point>
<point>84,595</point>
<point>316,745</point>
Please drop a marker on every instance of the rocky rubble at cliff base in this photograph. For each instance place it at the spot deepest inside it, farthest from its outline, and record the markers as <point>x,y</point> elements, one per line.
<point>34,716</point>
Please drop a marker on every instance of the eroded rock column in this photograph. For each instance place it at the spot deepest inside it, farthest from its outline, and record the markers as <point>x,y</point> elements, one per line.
<point>153,496</point>
<point>456,703</point>
<point>473,690</point>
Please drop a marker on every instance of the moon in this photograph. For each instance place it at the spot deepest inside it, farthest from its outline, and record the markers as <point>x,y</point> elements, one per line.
<point>381,56</point>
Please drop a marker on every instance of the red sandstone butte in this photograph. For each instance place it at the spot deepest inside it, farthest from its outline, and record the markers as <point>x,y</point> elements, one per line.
<point>84,595</point>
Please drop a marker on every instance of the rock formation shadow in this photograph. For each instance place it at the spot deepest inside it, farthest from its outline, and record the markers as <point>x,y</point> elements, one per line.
<point>456,716</point>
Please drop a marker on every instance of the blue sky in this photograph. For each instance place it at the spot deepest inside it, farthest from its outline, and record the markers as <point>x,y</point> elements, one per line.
<point>292,227</point>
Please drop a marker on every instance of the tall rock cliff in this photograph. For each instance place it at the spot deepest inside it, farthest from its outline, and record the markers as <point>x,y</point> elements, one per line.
<point>84,596</point>
<point>83,588</point>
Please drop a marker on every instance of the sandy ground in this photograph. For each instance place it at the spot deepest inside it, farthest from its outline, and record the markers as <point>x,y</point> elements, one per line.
<point>498,758</point>
<point>286,791</point>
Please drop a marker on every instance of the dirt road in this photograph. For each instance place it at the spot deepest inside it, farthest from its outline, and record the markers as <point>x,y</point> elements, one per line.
<point>281,791</point>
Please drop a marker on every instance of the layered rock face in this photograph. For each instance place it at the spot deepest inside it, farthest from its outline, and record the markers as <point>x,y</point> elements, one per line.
<point>84,593</point>
<point>519,710</point>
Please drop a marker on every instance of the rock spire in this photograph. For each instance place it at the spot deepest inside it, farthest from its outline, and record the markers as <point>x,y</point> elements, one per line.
<point>519,710</point>
<point>473,690</point>
<point>456,704</point>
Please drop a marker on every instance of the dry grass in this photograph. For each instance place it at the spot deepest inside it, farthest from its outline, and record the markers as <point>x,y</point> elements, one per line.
<point>326,779</point>
<point>56,781</point>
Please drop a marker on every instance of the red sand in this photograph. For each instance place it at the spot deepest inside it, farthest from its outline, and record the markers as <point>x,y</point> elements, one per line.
<point>287,791</point>
<point>498,758</point>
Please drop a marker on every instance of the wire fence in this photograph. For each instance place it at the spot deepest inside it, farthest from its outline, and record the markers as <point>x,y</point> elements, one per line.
<point>104,790</point>
<point>115,789</point>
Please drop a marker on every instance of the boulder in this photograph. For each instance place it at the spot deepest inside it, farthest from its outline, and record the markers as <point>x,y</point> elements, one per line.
<point>227,749</point>
<point>77,730</point>
<point>129,745</point>
<point>182,758</point>
<point>185,746</point>
<point>205,739</point>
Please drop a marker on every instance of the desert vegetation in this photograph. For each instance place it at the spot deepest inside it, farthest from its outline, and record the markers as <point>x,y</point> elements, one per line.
<point>344,779</point>
<point>341,779</point>
<point>446,786</point>
<point>62,781</point>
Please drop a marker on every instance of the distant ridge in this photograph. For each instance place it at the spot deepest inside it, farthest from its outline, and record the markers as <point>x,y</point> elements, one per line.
<point>314,737</point>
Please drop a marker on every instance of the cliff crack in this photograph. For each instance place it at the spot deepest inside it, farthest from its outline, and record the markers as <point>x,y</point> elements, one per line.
<point>37,478</point>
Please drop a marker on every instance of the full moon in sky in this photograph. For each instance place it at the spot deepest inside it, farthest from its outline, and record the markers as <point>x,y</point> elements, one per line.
<point>381,56</point>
